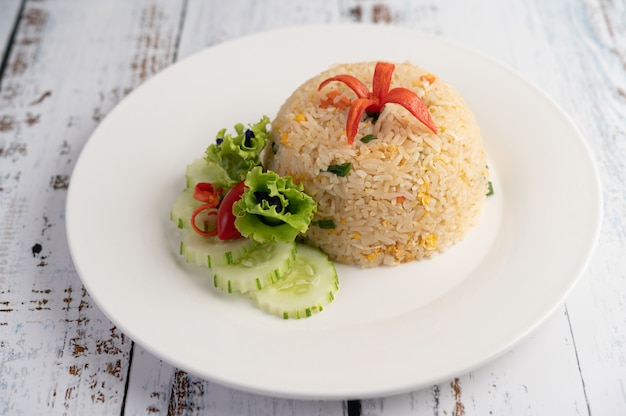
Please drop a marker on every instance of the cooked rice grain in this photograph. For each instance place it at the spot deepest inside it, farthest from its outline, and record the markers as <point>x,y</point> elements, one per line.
<point>410,193</point>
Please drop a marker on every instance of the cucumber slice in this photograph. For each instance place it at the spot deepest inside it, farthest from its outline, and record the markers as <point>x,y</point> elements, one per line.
<point>202,171</point>
<point>261,267</point>
<point>309,287</point>
<point>212,252</point>
<point>183,207</point>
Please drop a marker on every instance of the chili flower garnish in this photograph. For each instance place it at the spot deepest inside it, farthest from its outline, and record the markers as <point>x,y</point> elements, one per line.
<point>374,101</point>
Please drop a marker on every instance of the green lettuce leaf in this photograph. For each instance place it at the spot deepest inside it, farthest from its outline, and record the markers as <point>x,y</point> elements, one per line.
<point>272,208</point>
<point>239,153</point>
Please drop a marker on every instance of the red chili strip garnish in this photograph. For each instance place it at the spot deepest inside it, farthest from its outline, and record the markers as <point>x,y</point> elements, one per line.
<point>204,192</point>
<point>210,211</point>
<point>358,107</point>
<point>374,101</point>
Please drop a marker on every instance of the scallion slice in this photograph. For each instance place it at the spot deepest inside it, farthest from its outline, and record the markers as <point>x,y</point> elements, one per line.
<point>324,224</point>
<point>340,170</point>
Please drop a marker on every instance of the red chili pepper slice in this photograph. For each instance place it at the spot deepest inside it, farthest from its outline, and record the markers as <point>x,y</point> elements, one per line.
<point>204,192</point>
<point>211,211</point>
<point>407,99</point>
<point>355,114</point>
<point>382,81</point>
<point>353,83</point>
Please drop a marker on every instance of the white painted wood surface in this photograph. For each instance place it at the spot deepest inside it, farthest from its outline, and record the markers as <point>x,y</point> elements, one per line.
<point>71,61</point>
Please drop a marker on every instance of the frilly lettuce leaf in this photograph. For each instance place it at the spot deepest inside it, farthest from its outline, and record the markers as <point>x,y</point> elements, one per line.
<point>211,172</point>
<point>239,153</point>
<point>272,208</point>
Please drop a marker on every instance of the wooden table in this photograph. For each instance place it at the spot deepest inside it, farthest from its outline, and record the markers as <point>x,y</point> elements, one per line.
<point>67,63</point>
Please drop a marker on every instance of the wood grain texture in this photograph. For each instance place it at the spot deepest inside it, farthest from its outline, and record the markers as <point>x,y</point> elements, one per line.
<point>586,77</point>
<point>507,386</point>
<point>596,63</point>
<point>72,61</point>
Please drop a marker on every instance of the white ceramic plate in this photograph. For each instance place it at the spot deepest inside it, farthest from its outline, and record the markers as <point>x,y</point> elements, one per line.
<point>390,330</point>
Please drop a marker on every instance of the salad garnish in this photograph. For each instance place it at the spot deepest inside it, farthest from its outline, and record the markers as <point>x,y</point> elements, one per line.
<point>272,208</point>
<point>206,232</point>
<point>262,205</point>
<point>242,222</point>
<point>239,153</point>
<point>204,192</point>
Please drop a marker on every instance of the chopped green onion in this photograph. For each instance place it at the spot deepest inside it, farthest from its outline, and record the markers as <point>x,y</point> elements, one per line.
<point>340,170</point>
<point>368,138</point>
<point>490,188</point>
<point>324,224</point>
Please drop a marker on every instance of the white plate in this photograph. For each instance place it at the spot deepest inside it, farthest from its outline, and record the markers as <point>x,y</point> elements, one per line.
<point>390,330</point>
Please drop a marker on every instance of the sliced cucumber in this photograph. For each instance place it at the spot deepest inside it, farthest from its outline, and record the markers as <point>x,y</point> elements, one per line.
<point>183,207</point>
<point>260,268</point>
<point>307,289</point>
<point>202,171</point>
<point>213,252</point>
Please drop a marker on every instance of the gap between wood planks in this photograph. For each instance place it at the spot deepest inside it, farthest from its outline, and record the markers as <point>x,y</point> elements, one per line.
<point>127,382</point>
<point>354,407</point>
<point>11,41</point>
<point>183,15</point>
<point>580,373</point>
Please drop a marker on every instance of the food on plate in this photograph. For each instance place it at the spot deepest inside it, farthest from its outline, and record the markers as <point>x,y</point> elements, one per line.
<point>241,222</point>
<point>312,281</point>
<point>272,208</point>
<point>366,164</point>
<point>392,155</point>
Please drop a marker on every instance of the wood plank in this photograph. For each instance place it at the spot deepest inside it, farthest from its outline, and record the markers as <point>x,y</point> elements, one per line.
<point>591,80</point>
<point>71,63</point>
<point>582,67</point>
